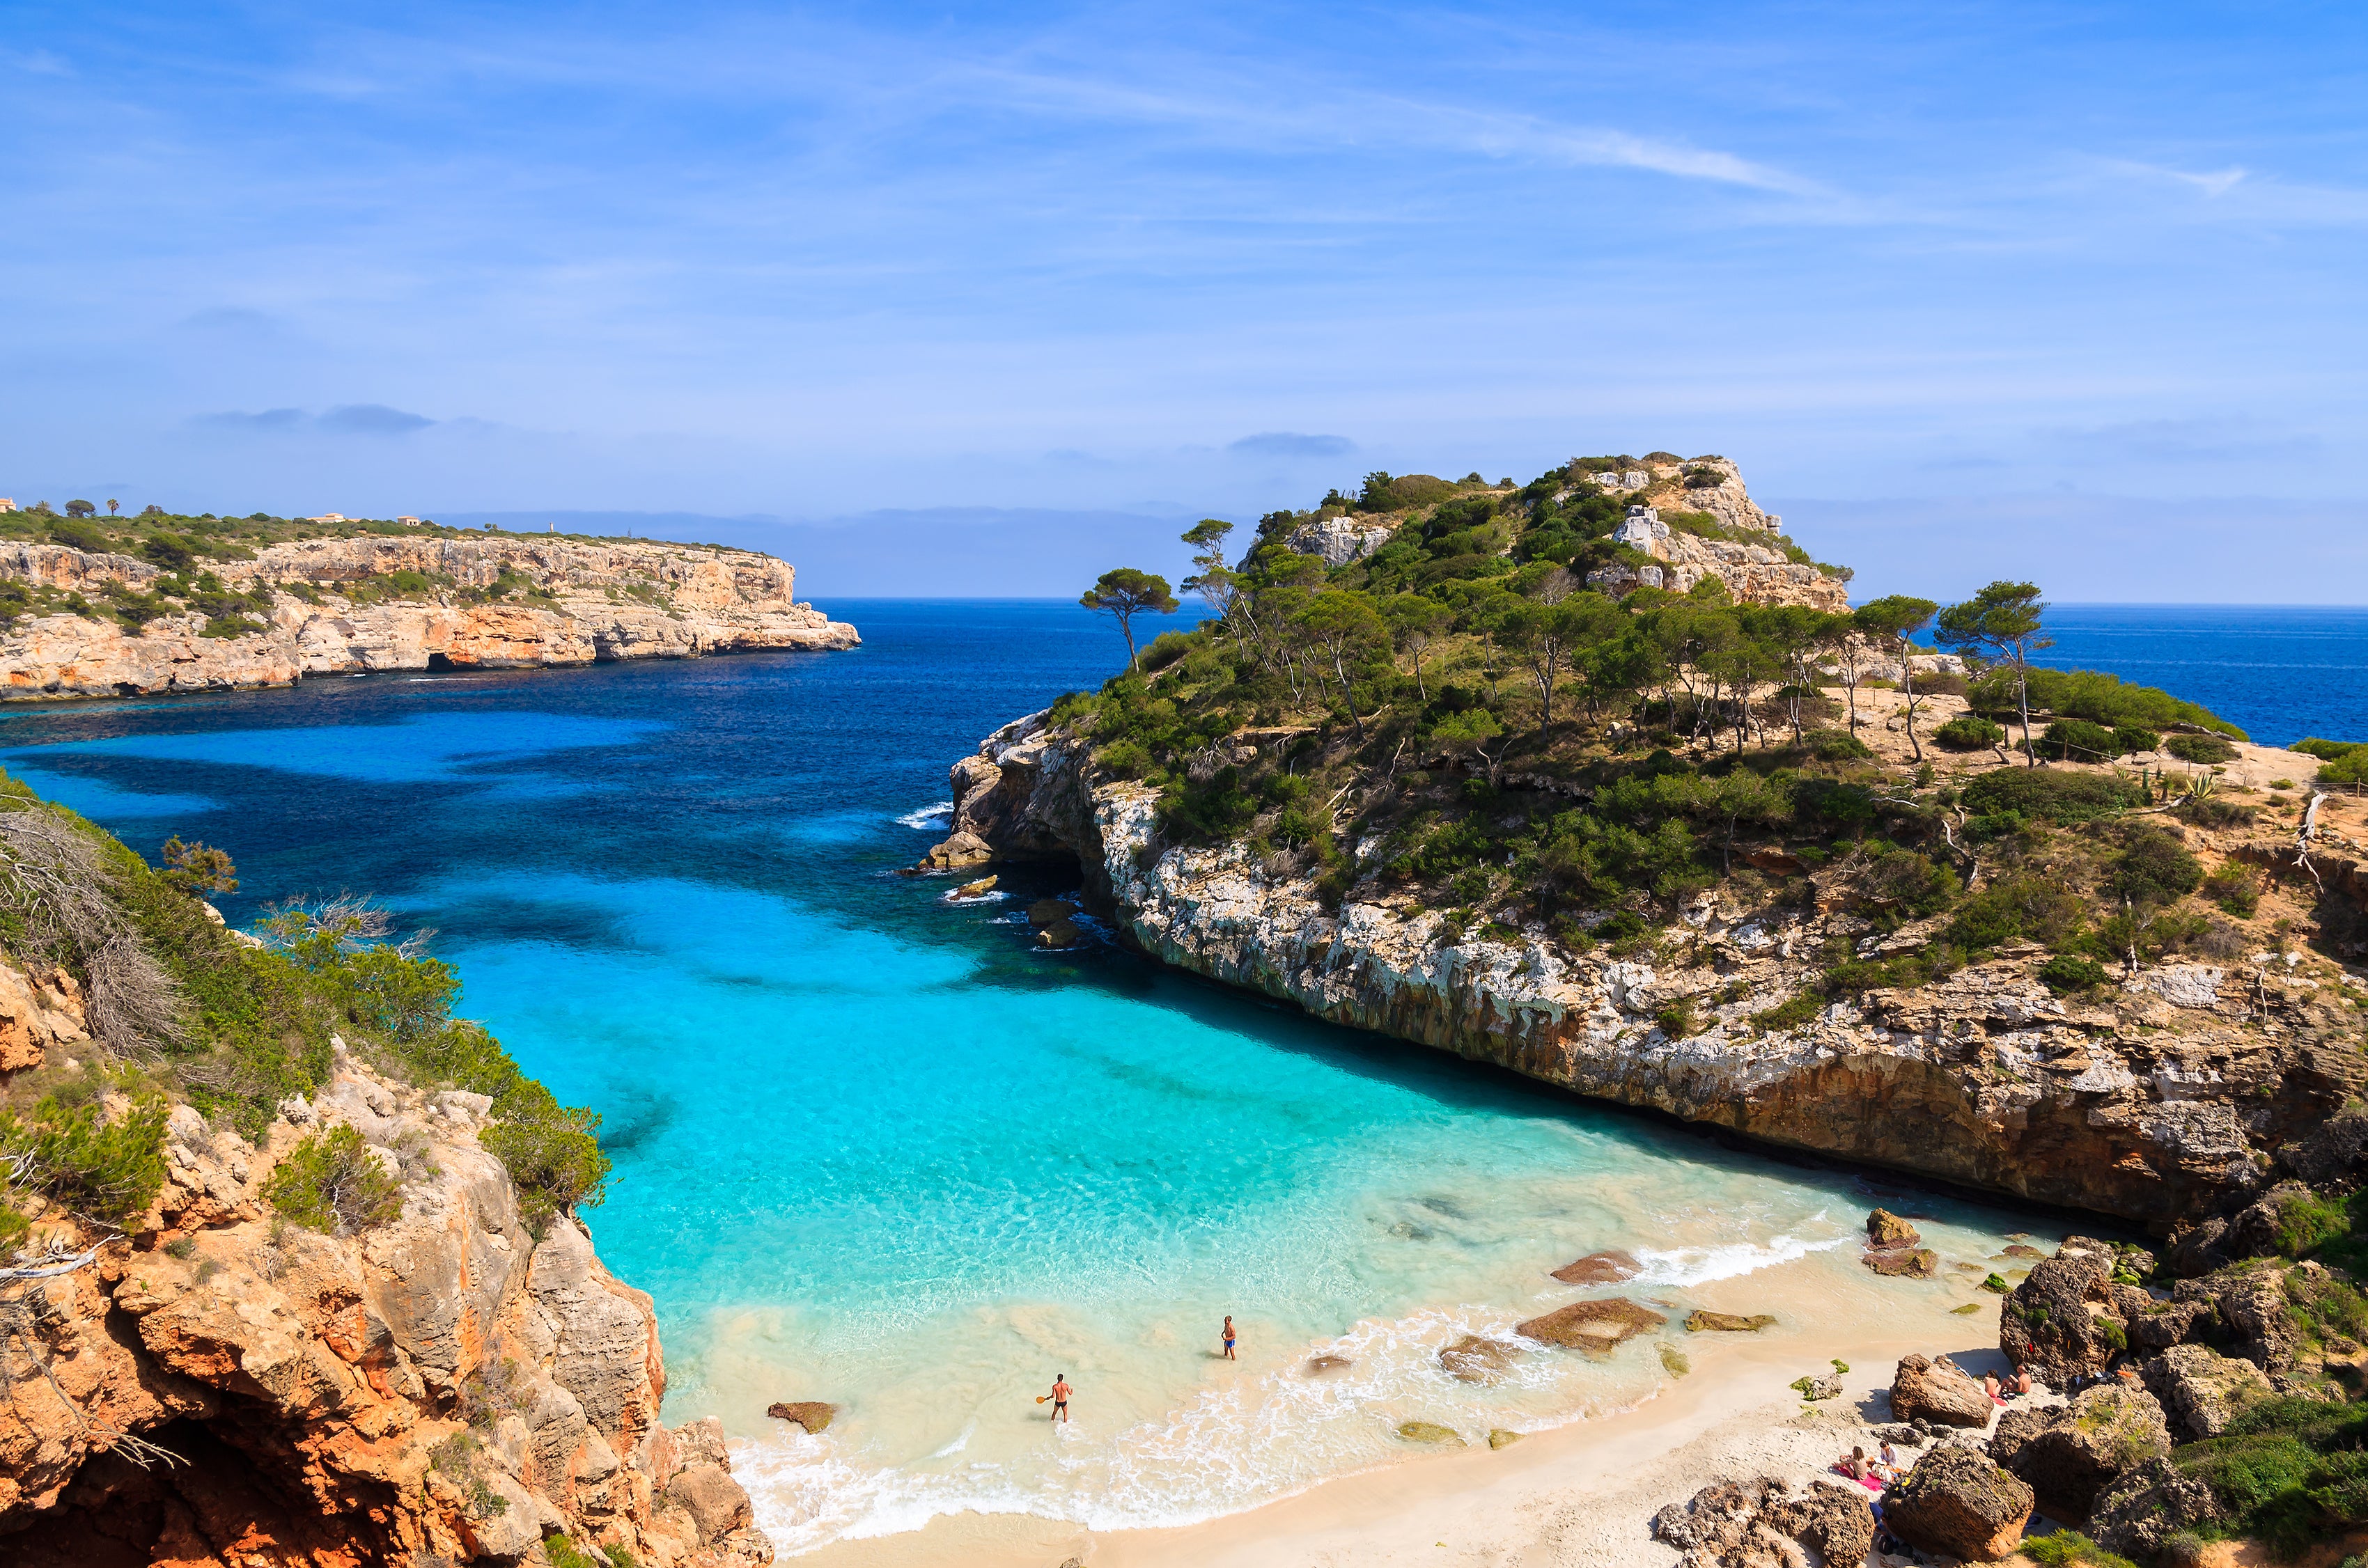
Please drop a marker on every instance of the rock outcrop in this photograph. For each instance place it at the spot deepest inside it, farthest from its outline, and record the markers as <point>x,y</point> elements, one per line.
<point>2147,1505</point>
<point>448,1387</point>
<point>2069,1454</point>
<point>2203,1390</point>
<point>343,606</point>
<point>1986,1079</point>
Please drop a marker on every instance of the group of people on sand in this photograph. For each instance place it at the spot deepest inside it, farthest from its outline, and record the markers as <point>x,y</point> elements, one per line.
<point>1884,1470</point>
<point>1062,1391</point>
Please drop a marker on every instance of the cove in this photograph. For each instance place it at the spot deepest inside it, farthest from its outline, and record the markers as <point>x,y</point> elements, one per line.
<point>874,1148</point>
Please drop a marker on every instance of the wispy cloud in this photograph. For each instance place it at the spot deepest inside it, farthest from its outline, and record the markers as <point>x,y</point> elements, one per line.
<point>375,419</point>
<point>2213,441</point>
<point>1290,443</point>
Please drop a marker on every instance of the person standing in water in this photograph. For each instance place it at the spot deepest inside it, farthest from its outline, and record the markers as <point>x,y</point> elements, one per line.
<point>1059,1396</point>
<point>1229,1338</point>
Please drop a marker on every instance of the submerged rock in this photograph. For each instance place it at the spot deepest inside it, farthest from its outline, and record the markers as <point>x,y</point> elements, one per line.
<point>1059,934</point>
<point>1322,1366</point>
<point>1591,1325</point>
<point>1502,1437</point>
<point>978,889</point>
<point>1701,1321</point>
<point>1473,1359</point>
<point>1429,1432</point>
<point>810,1413</point>
<point>1956,1501</point>
<point>1907,1262</point>
<point>1600,1268</point>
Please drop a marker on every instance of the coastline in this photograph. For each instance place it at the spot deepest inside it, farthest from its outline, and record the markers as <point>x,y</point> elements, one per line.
<point>1578,1493</point>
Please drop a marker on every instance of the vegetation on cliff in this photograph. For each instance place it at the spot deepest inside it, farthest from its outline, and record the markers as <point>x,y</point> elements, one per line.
<point>182,1009</point>
<point>1460,717</point>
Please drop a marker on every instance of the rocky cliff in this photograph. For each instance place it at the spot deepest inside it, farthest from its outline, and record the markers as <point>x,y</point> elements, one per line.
<point>338,606</point>
<point>218,1388</point>
<point>2177,1094</point>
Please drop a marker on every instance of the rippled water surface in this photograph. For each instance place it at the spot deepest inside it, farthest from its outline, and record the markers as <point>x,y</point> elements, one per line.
<point>873,1148</point>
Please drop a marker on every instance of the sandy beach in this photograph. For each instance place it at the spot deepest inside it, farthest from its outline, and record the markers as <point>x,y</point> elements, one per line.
<point>1579,1497</point>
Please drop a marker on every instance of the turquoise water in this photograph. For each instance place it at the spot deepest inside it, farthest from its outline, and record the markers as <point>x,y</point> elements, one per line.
<point>872,1147</point>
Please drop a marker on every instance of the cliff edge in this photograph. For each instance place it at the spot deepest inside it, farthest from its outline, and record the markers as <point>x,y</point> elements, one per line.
<point>99,623</point>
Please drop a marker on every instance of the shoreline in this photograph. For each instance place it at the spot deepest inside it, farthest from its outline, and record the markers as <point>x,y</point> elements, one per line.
<point>1581,1495</point>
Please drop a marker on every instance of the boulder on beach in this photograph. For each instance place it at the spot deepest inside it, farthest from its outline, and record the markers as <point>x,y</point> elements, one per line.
<point>1502,1437</point>
<point>1761,1521</point>
<point>1591,1325</point>
<point>1885,1230</point>
<point>1473,1359</point>
<point>1701,1320</point>
<point>1926,1389</point>
<point>2069,1453</point>
<point>1909,1263</point>
<point>1955,1501</point>
<point>1600,1268</point>
<point>1429,1432</point>
<point>810,1413</point>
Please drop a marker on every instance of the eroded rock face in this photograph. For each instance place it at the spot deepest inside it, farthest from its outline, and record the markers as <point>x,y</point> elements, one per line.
<point>1957,1502</point>
<point>1985,1078</point>
<point>600,601</point>
<point>2069,1454</point>
<point>2046,1322</point>
<point>2148,1505</point>
<point>446,1386</point>
<point>2203,1390</point>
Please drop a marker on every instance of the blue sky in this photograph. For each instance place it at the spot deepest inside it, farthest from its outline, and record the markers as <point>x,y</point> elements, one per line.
<point>965,296</point>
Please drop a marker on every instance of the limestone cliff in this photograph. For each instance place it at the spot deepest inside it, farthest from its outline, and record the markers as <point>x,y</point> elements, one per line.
<point>218,1388</point>
<point>338,606</point>
<point>2175,1097</point>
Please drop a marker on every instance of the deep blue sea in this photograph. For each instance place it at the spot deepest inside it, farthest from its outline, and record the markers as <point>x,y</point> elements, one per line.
<point>2277,672</point>
<point>872,1147</point>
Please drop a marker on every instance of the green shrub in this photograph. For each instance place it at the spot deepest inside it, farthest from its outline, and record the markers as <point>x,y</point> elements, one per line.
<point>2235,887</point>
<point>333,1183</point>
<point>107,1171</point>
<point>2065,973</point>
<point>2040,792</point>
<point>2076,740</point>
<point>2351,767</point>
<point>2325,751</point>
<point>1966,733</point>
<point>1675,1018</point>
<point>2307,1223</point>
<point>2025,905</point>
<point>2154,869</point>
<point>1838,745</point>
<point>1166,649</point>
<point>2065,1548</point>
<point>2130,738</point>
<point>1792,1013</point>
<point>2201,750</point>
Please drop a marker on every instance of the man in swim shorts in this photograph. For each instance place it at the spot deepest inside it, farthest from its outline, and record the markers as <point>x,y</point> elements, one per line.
<point>1229,1338</point>
<point>1061,1396</point>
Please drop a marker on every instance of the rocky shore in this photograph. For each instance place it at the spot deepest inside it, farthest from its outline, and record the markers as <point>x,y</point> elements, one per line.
<point>217,1388</point>
<point>2181,1093</point>
<point>345,606</point>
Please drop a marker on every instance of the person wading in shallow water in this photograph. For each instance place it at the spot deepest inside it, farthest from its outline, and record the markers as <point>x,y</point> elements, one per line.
<point>1059,1396</point>
<point>1229,1338</point>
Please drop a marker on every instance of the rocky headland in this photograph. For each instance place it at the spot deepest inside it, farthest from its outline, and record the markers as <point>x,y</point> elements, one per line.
<point>370,602</point>
<point>2178,1091</point>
